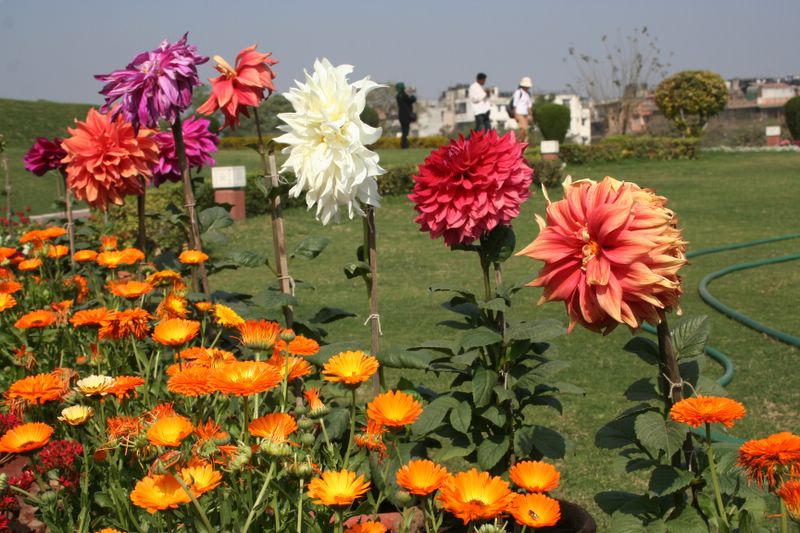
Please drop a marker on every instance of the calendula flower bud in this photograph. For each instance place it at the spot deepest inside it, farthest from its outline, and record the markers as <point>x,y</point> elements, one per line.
<point>305,423</point>
<point>300,470</point>
<point>3,481</point>
<point>278,449</point>
<point>308,439</point>
<point>490,528</point>
<point>48,498</point>
<point>219,441</point>
<point>288,335</point>
<point>241,459</point>
<point>403,498</point>
<point>300,410</point>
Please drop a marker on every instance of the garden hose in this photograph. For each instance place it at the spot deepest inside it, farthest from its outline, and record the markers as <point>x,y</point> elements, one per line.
<point>713,353</point>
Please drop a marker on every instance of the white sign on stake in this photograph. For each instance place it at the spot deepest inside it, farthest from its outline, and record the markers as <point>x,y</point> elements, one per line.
<point>773,131</point>
<point>228,177</point>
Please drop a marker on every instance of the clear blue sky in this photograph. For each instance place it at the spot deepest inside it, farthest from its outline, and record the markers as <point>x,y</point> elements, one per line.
<point>50,49</point>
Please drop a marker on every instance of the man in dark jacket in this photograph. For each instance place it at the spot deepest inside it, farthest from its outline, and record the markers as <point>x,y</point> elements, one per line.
<point>405,112</point>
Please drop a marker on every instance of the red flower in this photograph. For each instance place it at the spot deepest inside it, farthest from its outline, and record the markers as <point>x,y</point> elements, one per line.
<point>471,186</point>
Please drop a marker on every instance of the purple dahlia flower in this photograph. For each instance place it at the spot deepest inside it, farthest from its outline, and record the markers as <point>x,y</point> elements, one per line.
<point>155,85</point>
<point>45,155</point>
<point>200,144</point>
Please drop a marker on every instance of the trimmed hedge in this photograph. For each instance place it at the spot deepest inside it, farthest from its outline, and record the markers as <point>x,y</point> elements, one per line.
<point>553,121</point>
<point>630,147</point>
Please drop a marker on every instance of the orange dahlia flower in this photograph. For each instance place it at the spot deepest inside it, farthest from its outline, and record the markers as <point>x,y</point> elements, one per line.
<point>25,437</point>
<point>105,159</point>
<point>191,381</point>
<point>275,427</point>
<point>535,510</point>
<point>6,301</point>
<point>475,495</point>
<point>337,489</point>
<point>421,476</point>
<point>290,368</point>
<point>192,257</point>
<point>201,478</point>
<point>534,476</point>
<point>366,527</point>
<point>350,368</point>
<point>175,331</point>
<point>772,458</point>
<point>227,317</point>
<point>84,256</point>
<point>37,389</point>
<point>790,494</point>
<point>35,319</point>
<point>121,324</point>
<point>259,334</point>
<point>611,252</point>
<point>701,410</point>
<point>394,409</point>
<point>243,378</point>
<point>89,317</point>
<point>10,287</point>
<point>129,289</point>
<point>169,431</point>
<point>159,492</point>
<point>124,386</point>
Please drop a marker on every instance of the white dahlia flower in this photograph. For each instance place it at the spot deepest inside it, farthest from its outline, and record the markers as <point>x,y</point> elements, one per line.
<point>327,141</point>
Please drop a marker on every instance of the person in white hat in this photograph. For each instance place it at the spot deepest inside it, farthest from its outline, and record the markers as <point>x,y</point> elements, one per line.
<point>522,108</point>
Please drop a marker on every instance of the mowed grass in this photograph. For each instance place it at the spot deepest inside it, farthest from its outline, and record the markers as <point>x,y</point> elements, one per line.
<point>719,198</point>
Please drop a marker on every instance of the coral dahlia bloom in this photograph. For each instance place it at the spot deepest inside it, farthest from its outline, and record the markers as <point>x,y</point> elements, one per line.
<point>94,385</point>
<point>243,378</point>
<point>37,389</point>
<point>129,289</point>
<point>421,476</point>
<point>394,409</point>
<point>350,368</point>
<point>198,142</point>
<point>25,437</point>
<point>535,510</point>
<point>159,492</point>
<point>337,489</point>
<point>240,87</point>
<point>35,319</point>
<point>88,317</point>
<point>84,256</point>
<point>6,301</point>
<point>470,186</point>
<point>105,159</point>
<point>327,142</point>
<point>475,495</point>
<point>201,478</point>
<point>169,431</point>
<point>44,155</point>
<point>124,386</point>
<point>26,265</point>
<point>259,334</point>
<point>611,252</point>
<point>773,458</point>
<point>366,527</point>
<point>121,324</point>
<point>154,85</point>
<point>534,476</point>
<point>76,415</point>
<point>275,427</point>
<point>701,410</point>
<point>790,494</point>
<point>227,317</point>
<point>191,381</point>
<point>175,331</point>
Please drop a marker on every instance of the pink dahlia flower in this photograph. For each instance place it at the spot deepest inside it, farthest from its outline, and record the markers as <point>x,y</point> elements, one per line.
<point>44,155</point>
<point>240,87</point>
<point>611,252</point>
<point>199,142</point>
<point>106,159</point>
<point>156,84</point>
<point>471,186</point>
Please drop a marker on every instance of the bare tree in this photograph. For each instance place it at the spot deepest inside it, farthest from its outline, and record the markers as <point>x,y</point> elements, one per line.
<point>616,80</point>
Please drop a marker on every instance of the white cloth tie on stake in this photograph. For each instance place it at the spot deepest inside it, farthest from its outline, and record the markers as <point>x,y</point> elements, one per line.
<point>291,282</point>
<point>375,316</point>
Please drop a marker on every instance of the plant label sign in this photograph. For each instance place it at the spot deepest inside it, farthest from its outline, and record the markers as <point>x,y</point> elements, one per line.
<point>228,177</point>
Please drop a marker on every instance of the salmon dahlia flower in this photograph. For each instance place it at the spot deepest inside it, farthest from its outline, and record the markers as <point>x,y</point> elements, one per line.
<point>105,159</point>
<point>327,142</point>
<point>611,252</point>
<point>470,186</point>
<point>241,86</point>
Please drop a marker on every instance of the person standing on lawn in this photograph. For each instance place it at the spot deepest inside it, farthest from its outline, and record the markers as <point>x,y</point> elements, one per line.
<point>522,108</point>
<point>479,102</point>
<point>405,111</point>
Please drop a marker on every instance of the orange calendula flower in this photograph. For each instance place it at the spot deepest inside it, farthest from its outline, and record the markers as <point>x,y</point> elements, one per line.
<point>169,431</point>
<point>259,334</point>
<point>27,265</point>
<point>61,309</point>
<point>124,386</point>
<point>475,495</point>
<point>95,385</point>
<point>201,478</point>
<point>35,319</point>
<point>159,492</point>
<point>76,415</point>
<point>337,489</point>
<point>275,427</point>
<point>175,331</point>
<point>315,406</point>
<point>192,257</point>
<point>372,438</point>
<point>33,236</point>
<point>350,368</point>
<point>191,381</point>
<point>203,307</point>
<point>53,232</point>
<point>6,301</point>
<point>37,389</point>
<point>773,458</point>
<point>84,256</point>
<point>129,289</point>
<point>291,368</point>
<point>534,476</point>
<point>10,287</point>
<point>701,410</point>
<point>123,428</point>
<point>243,378</point>
<point>57,251</point>
<point>790,494</point>
<point>109,530</point>
<point>394,409</point>
<point>164,277</point>
<point>78,282</point>
<point>7,253</point>
<point>421,476</point>
<point>25,437</point>
<point>367,527</point>
<point>227,317</point>
<point>535,510</point>
<point>108,242</point>
<point>121,324</point>
<point>88,317</point>
<point>303,346</point>
<point>172,306</point>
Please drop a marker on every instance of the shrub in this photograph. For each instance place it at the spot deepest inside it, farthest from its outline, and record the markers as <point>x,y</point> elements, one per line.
<point>792,111</point>
<point>690,98</point>
<point>629,147</point>
<point>370,117</point>
<point>553,121</point>
<point>547,173</point>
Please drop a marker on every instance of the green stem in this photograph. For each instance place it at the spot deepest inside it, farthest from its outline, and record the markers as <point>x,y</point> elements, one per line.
<point>352,427</point>
<point>196,504</point>
<point>784,517</point>
<point>245,421</point>
<point>260,497</point>
<point>339,522</point>
<point>285,384</point>
<point>714,481</point>
<point>300,508</point>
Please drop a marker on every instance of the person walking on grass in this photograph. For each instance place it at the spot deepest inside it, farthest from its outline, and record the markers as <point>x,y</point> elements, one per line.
<point>405,112</point>
<point>479,103</point>
<point>522,108</point>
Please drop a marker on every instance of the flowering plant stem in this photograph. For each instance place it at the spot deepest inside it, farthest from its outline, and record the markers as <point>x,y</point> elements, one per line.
<point>67,209</point>
<point>196,504</point>
<point>352,427</point>
<point>276,214</point>
<point>371,251</point>
<point>141,232</point>
<point>188,194</point>
<point>714,481</point>
<point>784,517</point>
<point>251,515</point>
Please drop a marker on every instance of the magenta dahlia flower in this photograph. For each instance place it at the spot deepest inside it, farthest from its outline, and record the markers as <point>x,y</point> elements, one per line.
<point>470,186</point>
<point>156,84</point>
<point>200,144</point>
<point>45,155</point>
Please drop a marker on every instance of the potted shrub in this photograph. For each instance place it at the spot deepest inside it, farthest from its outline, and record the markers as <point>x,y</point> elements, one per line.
<point>553,122</point>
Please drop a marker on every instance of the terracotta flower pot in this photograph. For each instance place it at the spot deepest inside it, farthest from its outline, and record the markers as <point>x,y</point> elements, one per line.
<point>393,521</point>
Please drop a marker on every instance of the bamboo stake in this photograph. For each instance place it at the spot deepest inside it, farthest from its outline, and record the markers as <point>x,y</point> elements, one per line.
<point>141,236</point>
<point>378,380</point>
<point>70,221</point>
<point>7,185</point>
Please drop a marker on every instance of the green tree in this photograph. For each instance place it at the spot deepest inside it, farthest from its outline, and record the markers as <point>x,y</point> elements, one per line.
<point>690,98</point>
<point>792,112</point>
<point>553,121</point>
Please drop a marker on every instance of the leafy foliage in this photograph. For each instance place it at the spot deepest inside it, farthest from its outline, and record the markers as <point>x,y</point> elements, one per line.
<point>792,111</point>
<point>690,98</point>
<point>624,147</point>
<point>553,121</point>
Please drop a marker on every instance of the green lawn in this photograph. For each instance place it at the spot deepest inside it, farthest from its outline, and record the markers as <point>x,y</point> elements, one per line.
<point>720,199</point>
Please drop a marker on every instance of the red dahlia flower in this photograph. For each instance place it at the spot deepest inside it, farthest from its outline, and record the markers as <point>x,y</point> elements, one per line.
<point>471,186</point>
<point>44,155</point>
